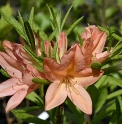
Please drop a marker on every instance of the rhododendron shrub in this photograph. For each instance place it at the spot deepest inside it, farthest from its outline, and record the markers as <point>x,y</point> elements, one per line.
<point>77,81</point>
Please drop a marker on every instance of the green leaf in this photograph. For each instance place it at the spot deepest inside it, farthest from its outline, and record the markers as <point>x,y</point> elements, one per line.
<point>73,117</point>
<point>117,37</point>
<point>116,50</point>
<point>30,52</point>
<point>40,81</point>
<point>104,29</point>
<point>114,94</point>
<point>31,17</point>
<point>115,80</point>
<point>93,92</point>
<point>36,99</point>
<point>75,110</point>
<point>42,35</point>
<point>52,35</point>
<point>20,19</point>
<point>29,33</point>
<point>65,17</point>
<point>28,118</point>
<point>102,98</point>
<point>118,108</point>
<point>104,112</point>
<point>103,80</point>
<point>16,25</point>
<point>28,109</point>
<point>54,51</point>
<point>53,18</point>
<point>96,65</point>
<point>80,39</point>
<point>74,25</point>
<point>4,73</point>
<point>58,19</point>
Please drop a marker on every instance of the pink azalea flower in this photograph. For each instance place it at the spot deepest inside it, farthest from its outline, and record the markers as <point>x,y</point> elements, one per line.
<point>20,84</point>
<point>93,44</point>
<point>68,79</point>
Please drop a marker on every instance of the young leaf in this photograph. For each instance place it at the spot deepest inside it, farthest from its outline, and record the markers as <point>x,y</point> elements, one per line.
<point>4,73</point>
<point>80,39</point>
<point>54,51</point>
<point>40,81</point>
<point>73,25</point>
<point>104,29</point>
<point>65,17</point>
<point>39,61</point>
<point>20,19</point>
<point>42,35</point>
<point>29,33</point>
<point>31,17</point>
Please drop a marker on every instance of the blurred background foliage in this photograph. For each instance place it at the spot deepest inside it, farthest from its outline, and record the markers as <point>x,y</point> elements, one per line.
<point>105,13</point>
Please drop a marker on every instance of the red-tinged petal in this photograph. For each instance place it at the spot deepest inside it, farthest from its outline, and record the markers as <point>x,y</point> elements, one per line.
<point>11,66</point>
<point>62,44</point>
<point>99,43</point>
<point>8,46</point>
<point>16,99</point>
<point>80,98</point>
<point>89,78</point>
<point>48,48</point>
<point>53,70</point>
<point>55,95</point>
<point>30,72</point>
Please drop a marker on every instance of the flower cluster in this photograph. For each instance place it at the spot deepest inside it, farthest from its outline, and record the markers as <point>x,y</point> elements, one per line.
<point>68,73</point>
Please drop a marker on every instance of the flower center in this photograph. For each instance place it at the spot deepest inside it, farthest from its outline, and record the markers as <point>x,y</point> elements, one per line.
<point>69,81</point>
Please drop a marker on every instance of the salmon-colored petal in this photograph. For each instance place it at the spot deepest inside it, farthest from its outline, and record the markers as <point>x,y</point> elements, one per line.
<point>100,57</point>
<point>48,48</point>
<point>99,43</point>
<point>80,98</point>
<point>73,59</point>
<point>10,86</point>
<point>90,79</point>
<point>11,66</point>
<point>78,60</point>
<point>62,44</point>
<point>56,95</point>
<point>53,70</point>
<point>16,99</point>
<point>87,51</point>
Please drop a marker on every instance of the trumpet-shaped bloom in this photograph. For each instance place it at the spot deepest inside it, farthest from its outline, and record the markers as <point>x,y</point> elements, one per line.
<point>93,44</point>
<point>68,79</point>
<point>20,84</point>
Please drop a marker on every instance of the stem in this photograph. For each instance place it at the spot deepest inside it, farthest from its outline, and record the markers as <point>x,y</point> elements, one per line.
<point>59,116</point>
